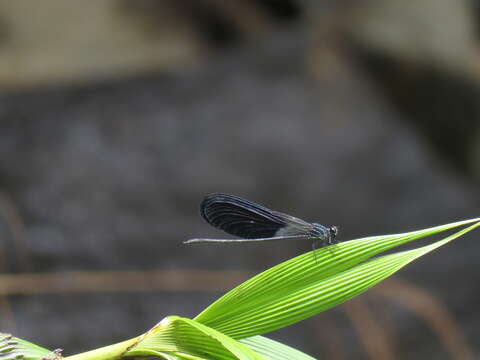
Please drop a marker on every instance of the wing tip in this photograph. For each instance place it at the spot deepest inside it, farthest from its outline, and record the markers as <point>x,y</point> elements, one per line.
<point>216,197</point>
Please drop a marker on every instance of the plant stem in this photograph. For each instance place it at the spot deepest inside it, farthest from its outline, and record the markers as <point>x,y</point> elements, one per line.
<point>109,352</point>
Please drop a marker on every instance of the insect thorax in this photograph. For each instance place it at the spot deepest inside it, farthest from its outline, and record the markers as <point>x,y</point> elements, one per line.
<point>314,230</point>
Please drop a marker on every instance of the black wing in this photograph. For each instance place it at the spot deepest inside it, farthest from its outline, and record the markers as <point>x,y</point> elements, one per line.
<point>248,220</point>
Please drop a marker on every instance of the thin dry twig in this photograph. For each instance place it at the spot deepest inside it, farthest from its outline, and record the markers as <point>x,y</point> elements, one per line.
<point>119,281</point>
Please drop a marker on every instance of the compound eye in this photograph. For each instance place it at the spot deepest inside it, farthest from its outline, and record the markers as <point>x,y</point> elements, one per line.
<point>333,231</point>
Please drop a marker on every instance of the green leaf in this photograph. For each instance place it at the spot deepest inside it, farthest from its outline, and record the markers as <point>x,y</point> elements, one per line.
<point>14,348</point>
<point>274,350</point>
<point>306,285</point>
<point>180,338</point>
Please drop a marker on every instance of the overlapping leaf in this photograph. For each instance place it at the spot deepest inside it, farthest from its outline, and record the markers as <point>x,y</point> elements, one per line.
<point>176,337</point>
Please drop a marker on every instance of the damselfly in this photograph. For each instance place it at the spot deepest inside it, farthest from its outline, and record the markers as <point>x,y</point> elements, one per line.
<point>254,223</point>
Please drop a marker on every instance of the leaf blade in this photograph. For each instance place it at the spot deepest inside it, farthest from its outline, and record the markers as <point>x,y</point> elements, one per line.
<point>289,292</point>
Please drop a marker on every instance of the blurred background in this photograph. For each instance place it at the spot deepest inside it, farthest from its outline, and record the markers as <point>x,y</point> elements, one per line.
<point>117,117</point>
